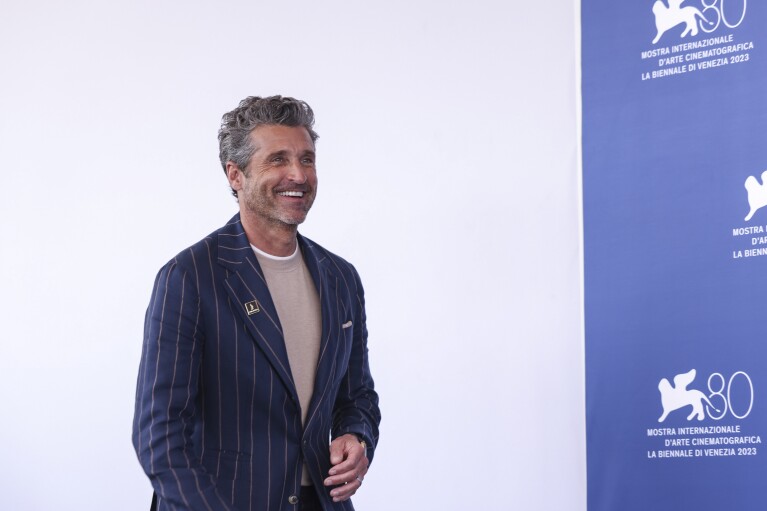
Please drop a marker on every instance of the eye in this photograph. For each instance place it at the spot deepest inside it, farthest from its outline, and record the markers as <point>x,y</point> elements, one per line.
<point>278,159</point>
<point>307,160</point>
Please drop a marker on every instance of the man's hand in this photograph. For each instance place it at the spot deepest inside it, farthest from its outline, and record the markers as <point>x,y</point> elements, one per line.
<point>350,464</point>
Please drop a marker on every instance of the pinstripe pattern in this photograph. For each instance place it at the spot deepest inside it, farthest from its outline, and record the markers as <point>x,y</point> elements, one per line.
<point>217,423</point>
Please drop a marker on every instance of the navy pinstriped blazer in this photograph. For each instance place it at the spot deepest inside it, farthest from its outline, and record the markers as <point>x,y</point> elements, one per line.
<point>217,423</point>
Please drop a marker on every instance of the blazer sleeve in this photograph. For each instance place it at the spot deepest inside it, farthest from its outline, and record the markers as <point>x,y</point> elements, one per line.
<point>356,407</point>
<point>167,392</point>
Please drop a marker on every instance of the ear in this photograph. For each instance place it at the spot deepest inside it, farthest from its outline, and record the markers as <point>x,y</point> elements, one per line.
<point>234,175</point>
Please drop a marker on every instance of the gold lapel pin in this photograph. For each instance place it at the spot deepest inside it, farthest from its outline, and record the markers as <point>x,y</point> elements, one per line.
<point>252,307</point>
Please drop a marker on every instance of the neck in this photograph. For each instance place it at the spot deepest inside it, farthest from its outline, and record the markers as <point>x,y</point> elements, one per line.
<point>274,238</point>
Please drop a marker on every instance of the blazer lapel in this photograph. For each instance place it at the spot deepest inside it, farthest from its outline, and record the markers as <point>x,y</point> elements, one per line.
<point>246,286</point>
<point>326,281</point>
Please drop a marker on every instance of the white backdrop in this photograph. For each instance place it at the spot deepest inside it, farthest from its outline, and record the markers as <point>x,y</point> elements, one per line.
<point>448,167</point>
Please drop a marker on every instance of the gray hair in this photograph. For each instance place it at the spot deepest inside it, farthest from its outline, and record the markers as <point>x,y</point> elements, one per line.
<point>234,141</point>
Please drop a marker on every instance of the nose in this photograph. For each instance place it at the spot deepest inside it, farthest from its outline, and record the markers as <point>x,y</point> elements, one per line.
<point>296,173</point>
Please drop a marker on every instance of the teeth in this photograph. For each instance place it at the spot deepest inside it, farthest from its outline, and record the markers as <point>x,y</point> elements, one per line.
<point>291,194</point>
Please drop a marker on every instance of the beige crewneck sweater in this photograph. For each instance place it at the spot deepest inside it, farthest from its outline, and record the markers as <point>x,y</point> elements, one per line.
<point>298,308</point>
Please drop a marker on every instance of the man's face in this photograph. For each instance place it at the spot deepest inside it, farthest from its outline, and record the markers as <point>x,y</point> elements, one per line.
<point>280,182</point>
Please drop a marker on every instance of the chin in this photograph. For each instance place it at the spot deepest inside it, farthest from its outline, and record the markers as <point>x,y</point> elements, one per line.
<point>293,221</point>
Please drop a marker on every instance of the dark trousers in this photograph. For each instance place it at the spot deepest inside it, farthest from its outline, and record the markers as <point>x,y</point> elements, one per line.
<point>308,501</point>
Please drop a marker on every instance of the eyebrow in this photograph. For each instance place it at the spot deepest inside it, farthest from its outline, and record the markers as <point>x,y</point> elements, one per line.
<point>283,152</point>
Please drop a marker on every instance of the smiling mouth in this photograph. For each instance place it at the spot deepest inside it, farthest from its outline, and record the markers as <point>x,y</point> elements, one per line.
<point>291,194</point>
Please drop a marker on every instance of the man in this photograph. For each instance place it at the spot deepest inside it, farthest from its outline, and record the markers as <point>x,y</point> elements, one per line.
<point>254,390</point>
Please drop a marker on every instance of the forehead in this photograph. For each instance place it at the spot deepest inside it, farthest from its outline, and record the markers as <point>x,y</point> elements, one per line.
<point>275,137</point>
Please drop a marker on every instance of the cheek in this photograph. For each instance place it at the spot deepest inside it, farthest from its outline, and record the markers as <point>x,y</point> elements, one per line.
<point>258,185</point>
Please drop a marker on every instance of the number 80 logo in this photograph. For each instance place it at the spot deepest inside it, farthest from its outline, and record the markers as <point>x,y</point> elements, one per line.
<point>721,392</point>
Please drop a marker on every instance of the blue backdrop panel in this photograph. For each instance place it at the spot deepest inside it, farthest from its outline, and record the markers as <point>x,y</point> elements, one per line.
<point>674,147</point>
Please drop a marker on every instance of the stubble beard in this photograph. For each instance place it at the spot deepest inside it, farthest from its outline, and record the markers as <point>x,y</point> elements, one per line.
<point>264,206</point>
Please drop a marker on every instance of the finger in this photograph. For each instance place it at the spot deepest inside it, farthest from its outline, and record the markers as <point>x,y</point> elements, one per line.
<point>350,463</point>
<point>346,471</point>
<point>337,452</point>
<point>347,476</point>
<point>345,491</point>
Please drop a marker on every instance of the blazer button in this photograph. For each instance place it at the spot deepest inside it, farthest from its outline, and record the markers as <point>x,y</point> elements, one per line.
<point>293,500</point>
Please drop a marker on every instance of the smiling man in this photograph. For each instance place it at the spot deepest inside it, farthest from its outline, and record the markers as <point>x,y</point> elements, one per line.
<point>254,390</point>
